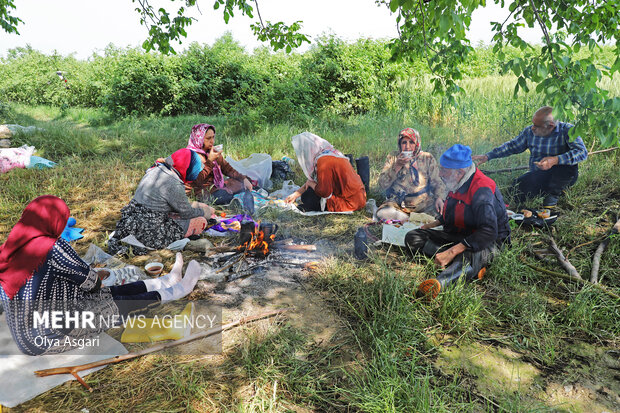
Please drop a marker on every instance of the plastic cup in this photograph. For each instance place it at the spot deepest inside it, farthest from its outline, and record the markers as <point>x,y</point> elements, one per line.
<point>154,268</point>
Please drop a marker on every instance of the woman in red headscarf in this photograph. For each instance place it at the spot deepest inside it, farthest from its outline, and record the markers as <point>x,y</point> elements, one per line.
<point>39,272</point>
<point>160,212</point>
<point>210,183</point>
<point>410,178</point>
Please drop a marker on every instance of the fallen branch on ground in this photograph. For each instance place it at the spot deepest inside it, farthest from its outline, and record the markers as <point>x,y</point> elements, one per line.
<point>596,260</point>
<point>569,278</point>
<point>564,262</point>
<point>74,370</point>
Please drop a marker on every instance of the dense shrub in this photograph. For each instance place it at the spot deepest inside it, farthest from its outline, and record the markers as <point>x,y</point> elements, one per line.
<point>334,76</point>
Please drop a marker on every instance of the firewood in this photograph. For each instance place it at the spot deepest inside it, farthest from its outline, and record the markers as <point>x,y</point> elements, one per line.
<point>596,260</point>
<point>564,262</point>
<point>294,247</point>
<point>569,278</point>
<point>74,370</point>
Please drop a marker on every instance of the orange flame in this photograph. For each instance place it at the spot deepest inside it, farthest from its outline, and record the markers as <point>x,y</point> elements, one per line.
<point>257,242</point>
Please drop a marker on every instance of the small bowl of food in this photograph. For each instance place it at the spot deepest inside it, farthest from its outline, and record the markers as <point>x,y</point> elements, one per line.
<point>154,268</point>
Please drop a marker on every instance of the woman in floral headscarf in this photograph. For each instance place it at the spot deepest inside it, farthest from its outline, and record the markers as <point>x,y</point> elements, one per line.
<point>210,182</point>
<point>332,183</point>
<point>411,180</point>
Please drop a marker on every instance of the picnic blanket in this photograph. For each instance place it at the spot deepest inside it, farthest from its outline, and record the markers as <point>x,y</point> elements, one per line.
<point>24,385</point>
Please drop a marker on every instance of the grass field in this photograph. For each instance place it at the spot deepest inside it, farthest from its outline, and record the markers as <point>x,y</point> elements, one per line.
<point>518,341</point>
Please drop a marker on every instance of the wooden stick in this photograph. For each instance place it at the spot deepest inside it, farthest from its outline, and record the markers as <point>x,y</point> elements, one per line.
<point>499,171</point>
<point>569,278</point>
<point>564,262</point>
<point>73,370</point>
<point>308,247</point>
<point>596,260</point>
<point>604,150</point>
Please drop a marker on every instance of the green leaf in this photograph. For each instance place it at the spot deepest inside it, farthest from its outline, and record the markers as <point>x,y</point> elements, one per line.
<point>394,5</point>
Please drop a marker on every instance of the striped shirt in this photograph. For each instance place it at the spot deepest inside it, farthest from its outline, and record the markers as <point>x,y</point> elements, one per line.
<point>557,143</point>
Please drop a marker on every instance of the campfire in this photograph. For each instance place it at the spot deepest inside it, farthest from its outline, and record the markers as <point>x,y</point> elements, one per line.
<point>257,250</point>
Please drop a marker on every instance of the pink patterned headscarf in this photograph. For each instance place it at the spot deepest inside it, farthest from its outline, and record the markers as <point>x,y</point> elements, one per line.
<point>197,137</point>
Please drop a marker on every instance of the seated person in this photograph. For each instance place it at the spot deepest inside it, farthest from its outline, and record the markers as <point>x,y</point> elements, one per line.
<point>40,271</point>
<point>160,212</point>
<point>474,222</point>
<point>210,183</point>
<point>554,158</point>
<point>411,180</point>
<point>332,183</point>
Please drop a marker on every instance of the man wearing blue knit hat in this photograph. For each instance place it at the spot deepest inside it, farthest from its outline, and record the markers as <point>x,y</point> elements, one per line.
<point>474,223</point>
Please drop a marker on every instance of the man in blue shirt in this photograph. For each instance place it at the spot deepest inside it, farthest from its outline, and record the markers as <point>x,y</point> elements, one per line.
<point>553,157</point>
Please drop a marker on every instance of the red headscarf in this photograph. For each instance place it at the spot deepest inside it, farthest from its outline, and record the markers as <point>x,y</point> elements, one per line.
<point>187,163</point>
<point>30,240</point>
<point>414,136</point>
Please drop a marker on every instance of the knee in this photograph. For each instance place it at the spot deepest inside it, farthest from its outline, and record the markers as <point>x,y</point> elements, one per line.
<point>415,240</point>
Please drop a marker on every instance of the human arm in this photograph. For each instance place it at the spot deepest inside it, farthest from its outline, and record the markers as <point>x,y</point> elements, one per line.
<point>430,225</point>
<point>512,147</point>
<point>438,187</point>
<point>177,200</point>
<point>389,172</point>
<point>292,197</point>
<point>71,268</point>
<point>577,150</point>
<point>446,257</point>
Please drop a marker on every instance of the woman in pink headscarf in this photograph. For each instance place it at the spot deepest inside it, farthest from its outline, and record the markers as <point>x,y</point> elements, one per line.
<point>210,182</point>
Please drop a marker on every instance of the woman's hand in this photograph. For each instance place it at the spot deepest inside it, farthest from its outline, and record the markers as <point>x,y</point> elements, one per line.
<point>292,197</point>
<point>439,204</point>
<point>401,161</point>
<point>213,155</point>
<point>247,184</point>
<point>206,209</point>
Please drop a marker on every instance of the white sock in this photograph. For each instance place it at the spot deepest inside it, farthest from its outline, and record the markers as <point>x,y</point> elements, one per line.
<point>168,280</point>
<point>183,287</point>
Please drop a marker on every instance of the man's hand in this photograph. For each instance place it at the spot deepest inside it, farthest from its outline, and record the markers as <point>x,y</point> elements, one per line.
<point>480,159</point>
<point>213,155</point>
<point>547,162</point>
<point>444,258</point>
<point>430,225</point>
<point>439,204</point>
<point>247,184</point>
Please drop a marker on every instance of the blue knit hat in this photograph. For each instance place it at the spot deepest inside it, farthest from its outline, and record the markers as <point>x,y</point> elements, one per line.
<point>195,166</point>
<point>456,157</point>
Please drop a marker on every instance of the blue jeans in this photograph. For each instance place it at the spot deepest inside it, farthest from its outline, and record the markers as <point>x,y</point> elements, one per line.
<point>550,183</point>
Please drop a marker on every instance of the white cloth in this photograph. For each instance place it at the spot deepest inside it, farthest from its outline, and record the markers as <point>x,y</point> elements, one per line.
<point>24,385</point>
<point>309,148</point>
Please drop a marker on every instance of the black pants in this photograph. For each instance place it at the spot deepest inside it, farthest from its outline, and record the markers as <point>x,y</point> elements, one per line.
<point>310,201</point>
<point>418,240</point>
<point>133,296</point>
<point>219,197</point>
<point>550,183</point>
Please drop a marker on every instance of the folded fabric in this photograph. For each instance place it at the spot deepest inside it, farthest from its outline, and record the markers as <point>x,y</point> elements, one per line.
<point>71,233</point>
<point>36,162</point>
<point>147,330</point>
